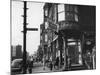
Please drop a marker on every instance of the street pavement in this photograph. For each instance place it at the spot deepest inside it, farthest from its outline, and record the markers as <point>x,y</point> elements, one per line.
<point>38,68</point>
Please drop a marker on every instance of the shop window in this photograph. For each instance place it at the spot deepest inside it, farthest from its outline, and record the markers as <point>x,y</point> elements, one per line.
<point>80,59</point>
<point>79,48</point>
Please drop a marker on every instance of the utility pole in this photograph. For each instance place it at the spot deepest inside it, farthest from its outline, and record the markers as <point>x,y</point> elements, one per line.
<point>24,37</point>
<point>25,29</point>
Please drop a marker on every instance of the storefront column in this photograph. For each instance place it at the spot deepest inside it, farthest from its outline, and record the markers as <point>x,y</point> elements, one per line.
<point>60,48</point>
<point>64,46</point>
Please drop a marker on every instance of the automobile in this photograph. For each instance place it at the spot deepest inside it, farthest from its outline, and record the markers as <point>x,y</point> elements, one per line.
<point>16,66</point>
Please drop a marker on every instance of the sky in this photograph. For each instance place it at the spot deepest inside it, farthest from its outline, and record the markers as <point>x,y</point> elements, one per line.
<point>34,19</point>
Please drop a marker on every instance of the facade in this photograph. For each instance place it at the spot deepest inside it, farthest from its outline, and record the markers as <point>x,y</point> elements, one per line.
<point>43,39</point>
<point>50,11</point>
<point>65,34</point>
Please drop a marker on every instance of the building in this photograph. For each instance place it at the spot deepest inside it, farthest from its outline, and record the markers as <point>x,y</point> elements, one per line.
<point>16,52</point>
<point>13,51</point>
<point>67,28</point>
<point>50,12</point>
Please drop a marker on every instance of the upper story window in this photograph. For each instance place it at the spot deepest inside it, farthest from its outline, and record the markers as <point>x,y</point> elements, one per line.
<point>76,9</point>
<point>61,12</point>
<point>46,38</point>
<point>40,30</point>
<point>76,17</point>
<point>60,8</point>
<point>46,25</point>
<point>67,7</point>
<point>55,13</point>
<point>71,8</point>
<point>46,12</point>
<point>70,16</point>
<point>41,37</point>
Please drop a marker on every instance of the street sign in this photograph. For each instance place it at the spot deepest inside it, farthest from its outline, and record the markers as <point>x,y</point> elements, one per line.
<point>32,29</point>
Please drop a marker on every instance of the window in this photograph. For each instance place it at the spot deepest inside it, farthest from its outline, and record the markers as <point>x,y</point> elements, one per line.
<point>76,10</point>
<point>60,7</point>
<point>79,47</point>
<point>70,16</point>
<point>46,37</point>
<point>67,7</point>
<point>61,12</point>
<point>41,37</point>
<point>46,25</point>
<point>46,12</point>
<point>71,7</point>
<point>40,30</point>
<point>76,17</point>
<point>61,16</point>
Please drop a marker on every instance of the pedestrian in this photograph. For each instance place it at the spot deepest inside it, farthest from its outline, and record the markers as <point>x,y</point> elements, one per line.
<point>56,64</point>
<point>30,65</point>
<point>94,57</point>
<point>44,63</point>
<point>51,65</point>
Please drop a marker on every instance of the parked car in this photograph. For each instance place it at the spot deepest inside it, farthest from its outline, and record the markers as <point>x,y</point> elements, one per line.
<point>16,66</point>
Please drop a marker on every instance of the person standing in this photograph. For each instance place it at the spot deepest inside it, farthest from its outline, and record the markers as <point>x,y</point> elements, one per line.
<point>94,57</point>
<point>30,65</point>
<point>44,63</point>
<point>51,65</point>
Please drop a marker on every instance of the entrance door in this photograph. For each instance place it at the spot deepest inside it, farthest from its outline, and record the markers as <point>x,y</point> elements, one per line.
<point>74,53</point>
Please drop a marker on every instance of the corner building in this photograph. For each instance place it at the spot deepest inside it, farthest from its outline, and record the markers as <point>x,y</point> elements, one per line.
<point>68,44</point>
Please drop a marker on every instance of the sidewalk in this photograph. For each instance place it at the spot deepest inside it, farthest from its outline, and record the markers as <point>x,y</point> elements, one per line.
<point>42,70</point>
<point>38,68</point>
